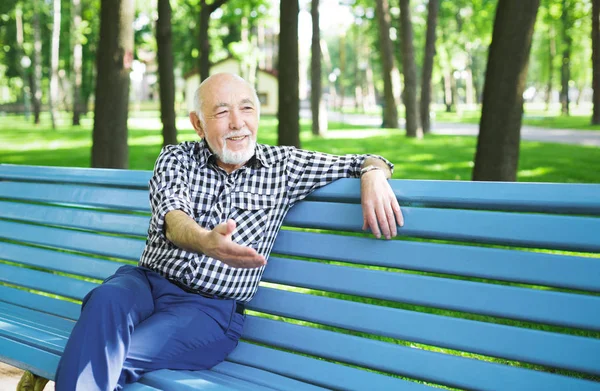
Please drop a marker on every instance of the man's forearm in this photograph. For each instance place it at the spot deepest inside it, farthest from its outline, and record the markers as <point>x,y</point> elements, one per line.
<point>183,231</point>
<point>373,161</point>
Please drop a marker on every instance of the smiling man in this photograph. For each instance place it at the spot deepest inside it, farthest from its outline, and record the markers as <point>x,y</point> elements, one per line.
<point>217,205</point>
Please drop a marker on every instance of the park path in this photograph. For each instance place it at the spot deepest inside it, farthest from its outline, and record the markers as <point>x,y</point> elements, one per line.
<point>530,133</point>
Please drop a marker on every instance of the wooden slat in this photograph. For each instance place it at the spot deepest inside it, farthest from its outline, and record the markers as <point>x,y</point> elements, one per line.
<point>103,197</point>
<point>567,198</point>
<point>450,370</point>
<point>39,303</point>
<point>28,358</point>
<point>198,380</point>
<point>96,176</point>
<point>509,342</point>
<point>108,246</point>
<point>511,229</point>
<point>58,261</point>
<point>318,372</point>
<point>537,197</point>
<point>41,321</point>
<point>264,378</point>
<point>117,223</point>
<point>557,308</point>
<point>46,282</point>
<point>491,263</point>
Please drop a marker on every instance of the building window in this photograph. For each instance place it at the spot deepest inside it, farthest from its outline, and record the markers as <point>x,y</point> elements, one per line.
<point>262,98</point>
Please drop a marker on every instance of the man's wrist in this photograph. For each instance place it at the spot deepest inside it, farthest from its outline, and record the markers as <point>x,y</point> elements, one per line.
<point>369,168</point>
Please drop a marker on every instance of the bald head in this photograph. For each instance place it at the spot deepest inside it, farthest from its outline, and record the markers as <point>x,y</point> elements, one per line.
<point>221,82</point>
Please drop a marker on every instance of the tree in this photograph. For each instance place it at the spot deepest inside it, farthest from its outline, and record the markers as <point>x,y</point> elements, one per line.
<point>205,11</point>
<point>53,99</point>
<point>390,110</point>
<point>288,129</point>
<point>432,14</point>
<point>565,70</point>
<point>77,61</point>
<point>113,63</point>
<point>596,61</point>
<point>166,78</point>
<point>319,127</point>
<point>409,68</point>
<point>36,75</point>
<point>497,154</point>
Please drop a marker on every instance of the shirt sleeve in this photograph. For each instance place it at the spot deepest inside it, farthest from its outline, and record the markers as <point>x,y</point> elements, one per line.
<point>168,189</point>
<point>309,170</point>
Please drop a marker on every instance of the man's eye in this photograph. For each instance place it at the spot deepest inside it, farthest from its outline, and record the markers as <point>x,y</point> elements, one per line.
<point>221,113</point>
<point>247,108</point>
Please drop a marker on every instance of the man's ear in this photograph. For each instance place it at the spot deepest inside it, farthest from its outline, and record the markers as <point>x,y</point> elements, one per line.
<point>197,124</point>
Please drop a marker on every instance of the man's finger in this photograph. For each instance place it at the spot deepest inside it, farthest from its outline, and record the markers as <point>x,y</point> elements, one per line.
<point>398,213</point>
<point>391,220</point>
<point>383,224</point>
<point>372,221</point>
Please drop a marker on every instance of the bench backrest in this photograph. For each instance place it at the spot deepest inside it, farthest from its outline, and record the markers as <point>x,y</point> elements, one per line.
<point>490,286</point>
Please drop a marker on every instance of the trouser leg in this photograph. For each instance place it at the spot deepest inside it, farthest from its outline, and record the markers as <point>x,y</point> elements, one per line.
<point>186,332</point>
<point>98,345</point>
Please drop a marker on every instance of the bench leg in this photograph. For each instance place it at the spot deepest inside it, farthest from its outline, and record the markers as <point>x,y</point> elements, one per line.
<point>31,382</point>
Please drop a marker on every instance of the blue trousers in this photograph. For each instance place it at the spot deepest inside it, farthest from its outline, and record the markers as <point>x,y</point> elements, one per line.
<point>137,321</point>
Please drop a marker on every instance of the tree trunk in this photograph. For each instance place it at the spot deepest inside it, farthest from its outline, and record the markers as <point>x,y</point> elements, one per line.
<point>409,68</point>
<point>288,129</point>
<point>204,41</point>
<point>113,63</point>
<point>36,80</point>
<point>432,15</point>
<point>551,55</point>
<point>596,61</point>
<point>205,11</point>
<point>53,100</point>
<point>166,78</point>
<point>565,70</point>
<point>77,62</point>
<point>497,155</point>
<point>448,97</point>
<point>390,109</point>
<point>319,126</point>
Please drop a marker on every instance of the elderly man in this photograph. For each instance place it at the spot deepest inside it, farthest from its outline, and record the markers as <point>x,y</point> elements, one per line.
<point>217,205</point>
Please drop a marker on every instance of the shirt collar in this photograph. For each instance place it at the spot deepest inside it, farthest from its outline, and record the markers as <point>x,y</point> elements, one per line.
<point>205,155</point>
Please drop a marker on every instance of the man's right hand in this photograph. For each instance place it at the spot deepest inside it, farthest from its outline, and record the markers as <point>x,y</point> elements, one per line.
<point>217,244</point>
<point>184,232</point>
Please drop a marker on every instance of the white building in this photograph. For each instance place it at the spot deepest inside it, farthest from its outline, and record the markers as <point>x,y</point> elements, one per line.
<point>266,85</point>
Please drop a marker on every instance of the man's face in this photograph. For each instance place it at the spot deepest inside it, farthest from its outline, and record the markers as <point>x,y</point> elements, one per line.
<point>230,120</point>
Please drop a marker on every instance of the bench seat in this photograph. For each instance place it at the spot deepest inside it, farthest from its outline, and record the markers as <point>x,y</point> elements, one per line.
<point>490,286</point>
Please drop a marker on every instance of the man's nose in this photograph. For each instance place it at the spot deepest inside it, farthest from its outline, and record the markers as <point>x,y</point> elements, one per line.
<point>235,120</point>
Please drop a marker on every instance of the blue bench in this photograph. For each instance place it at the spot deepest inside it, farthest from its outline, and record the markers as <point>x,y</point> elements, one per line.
<point>464,298</point>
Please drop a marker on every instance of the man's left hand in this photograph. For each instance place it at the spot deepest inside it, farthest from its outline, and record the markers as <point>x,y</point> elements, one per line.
<point>381,211</point>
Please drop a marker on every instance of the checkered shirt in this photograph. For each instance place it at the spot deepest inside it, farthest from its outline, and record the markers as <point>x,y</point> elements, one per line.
<point>256,196</point>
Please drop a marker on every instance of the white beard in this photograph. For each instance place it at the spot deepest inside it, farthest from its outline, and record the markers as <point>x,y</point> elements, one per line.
<point>240,157</point>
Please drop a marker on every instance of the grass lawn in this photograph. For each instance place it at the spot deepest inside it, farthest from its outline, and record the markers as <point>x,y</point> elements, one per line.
<point>435,157</point>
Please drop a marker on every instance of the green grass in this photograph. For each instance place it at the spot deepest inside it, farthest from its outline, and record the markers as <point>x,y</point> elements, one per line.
<point>435,157</point>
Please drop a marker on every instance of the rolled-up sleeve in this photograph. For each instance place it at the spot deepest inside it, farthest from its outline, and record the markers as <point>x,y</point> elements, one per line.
<point>309,170</point>
<point>169,189</point>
